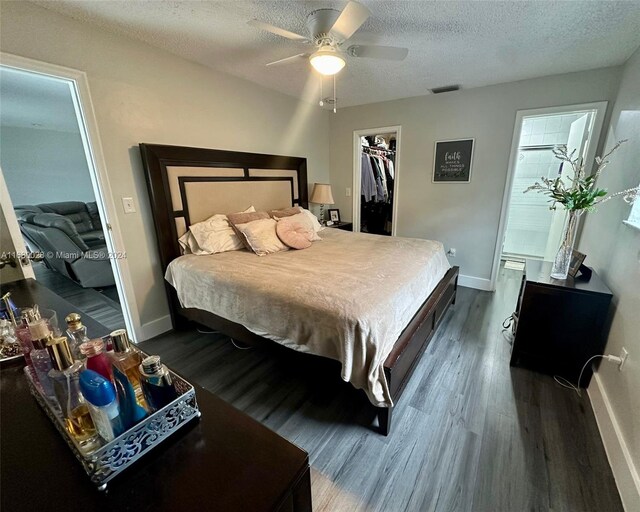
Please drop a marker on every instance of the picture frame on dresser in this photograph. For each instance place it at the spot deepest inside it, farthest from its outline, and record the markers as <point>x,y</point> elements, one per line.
<point>577,258</point>
<point>334,215</point>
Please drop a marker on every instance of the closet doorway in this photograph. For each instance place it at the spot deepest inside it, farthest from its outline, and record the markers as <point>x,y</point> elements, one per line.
<point>375,180</point>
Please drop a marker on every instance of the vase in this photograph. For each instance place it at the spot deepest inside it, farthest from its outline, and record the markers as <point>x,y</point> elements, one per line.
<point>562,261</point>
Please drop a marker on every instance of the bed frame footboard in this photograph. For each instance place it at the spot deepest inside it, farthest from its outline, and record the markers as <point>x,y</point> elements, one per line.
<point>414,340</point>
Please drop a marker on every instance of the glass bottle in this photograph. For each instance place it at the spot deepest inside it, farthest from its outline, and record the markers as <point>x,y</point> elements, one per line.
<point>9,343</point>
<point>103,404</point>
<point>156,382</point>
<point>27,316</point>
<point>77,334</point>
<point>127,360</point>
<point>65,376</point>
<point>40,335</point>
<point>97,360</point>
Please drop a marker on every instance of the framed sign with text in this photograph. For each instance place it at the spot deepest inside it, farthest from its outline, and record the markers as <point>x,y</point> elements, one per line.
<point>452,161</point>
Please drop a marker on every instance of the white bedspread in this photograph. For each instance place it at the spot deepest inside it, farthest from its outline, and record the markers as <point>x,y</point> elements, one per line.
<point>347,297</point>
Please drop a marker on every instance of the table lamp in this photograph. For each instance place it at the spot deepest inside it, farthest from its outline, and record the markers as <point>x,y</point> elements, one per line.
<point>322,195</point>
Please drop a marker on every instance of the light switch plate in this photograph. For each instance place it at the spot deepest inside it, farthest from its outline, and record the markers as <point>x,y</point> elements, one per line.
<point>348,192</point>
<point>127,205</point>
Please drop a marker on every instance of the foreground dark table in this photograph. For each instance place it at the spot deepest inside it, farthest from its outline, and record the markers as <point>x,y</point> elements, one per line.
<point>225,461</point>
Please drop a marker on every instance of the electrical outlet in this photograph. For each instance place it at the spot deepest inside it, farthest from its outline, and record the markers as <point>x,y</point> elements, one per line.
<point>127,204</point>
<point>452,252</point>
<point>623,356</point>
<point>348,192</point>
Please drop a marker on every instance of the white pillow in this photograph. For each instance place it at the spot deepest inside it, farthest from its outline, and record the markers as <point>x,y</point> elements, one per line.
<point>211,236</point>
<point>262,237</point>
<point>305,221</point>
<point>317,227</point>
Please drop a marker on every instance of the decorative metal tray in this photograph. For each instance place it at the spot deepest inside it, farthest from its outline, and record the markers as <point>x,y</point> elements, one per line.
<point>109,459</point>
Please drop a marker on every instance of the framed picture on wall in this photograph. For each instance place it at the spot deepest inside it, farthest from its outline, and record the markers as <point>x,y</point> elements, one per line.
<point>452,161</point>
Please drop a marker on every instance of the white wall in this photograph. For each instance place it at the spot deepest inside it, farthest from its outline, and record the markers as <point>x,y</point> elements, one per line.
<point>44,166</point>
<point>464,216</point>
<point>613,249</point>
<point>143,94</point>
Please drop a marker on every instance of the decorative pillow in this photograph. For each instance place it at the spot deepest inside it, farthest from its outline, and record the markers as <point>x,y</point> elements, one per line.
<point>303,220</point>
<point>317,227</point>
<point>293,234</point>
<point>187,243</point>
<point>235,219</point>
<point>285,212</point>
<point>211,236</point>
<point>261,236</point>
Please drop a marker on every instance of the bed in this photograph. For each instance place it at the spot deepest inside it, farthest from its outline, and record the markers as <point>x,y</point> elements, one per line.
<point>371,302</point>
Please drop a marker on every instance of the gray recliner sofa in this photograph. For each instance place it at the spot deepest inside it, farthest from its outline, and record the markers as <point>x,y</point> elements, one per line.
<point>70,237</point>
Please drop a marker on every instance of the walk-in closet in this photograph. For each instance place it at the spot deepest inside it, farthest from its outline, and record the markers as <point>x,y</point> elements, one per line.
<point>377,183</point>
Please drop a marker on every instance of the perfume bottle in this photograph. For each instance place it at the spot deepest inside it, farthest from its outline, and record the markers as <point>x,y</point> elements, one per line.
<point>27,316</point>
<point>77,334</point>
<point>103,404</point>
<point>127,360</point>
<point>40,335</point>
<point>156,383</point>
<point>9,344</point>
<point>65,376</point>
<point>97,360</point>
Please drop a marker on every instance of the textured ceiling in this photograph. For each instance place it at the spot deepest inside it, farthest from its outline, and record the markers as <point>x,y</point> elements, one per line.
<point>469,43</point>
<point>29,100</point>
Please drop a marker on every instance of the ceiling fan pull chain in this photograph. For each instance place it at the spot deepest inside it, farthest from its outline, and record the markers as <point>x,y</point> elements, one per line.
<point>321,101</point>
<point>335,101</point>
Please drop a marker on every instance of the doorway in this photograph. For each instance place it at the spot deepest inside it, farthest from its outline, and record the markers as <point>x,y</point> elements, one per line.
<point>528,228</point>
<point>55,194</point>
<point>375,180</point>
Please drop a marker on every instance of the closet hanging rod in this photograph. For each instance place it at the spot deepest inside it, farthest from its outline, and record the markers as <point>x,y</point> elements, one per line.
<point>382,150</point>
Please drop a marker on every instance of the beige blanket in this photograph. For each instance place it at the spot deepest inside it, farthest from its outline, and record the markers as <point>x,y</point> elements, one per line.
<point>347,297</point>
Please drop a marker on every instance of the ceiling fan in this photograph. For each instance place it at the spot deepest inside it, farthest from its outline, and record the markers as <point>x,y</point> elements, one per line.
<point>329,30</point>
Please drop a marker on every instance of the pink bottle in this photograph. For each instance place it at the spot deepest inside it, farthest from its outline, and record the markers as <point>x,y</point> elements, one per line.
<point>97,360</point>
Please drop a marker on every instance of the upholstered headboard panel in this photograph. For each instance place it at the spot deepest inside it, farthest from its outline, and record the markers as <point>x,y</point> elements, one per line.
<point>188,185</point>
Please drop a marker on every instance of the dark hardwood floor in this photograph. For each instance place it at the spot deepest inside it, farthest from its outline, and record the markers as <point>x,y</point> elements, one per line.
<point>470,433</point>
<point>100,306</point>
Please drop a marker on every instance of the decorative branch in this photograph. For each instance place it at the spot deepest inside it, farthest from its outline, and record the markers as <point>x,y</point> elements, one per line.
<point>582,194</point>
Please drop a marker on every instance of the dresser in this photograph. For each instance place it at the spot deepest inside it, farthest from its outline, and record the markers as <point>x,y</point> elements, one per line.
<point>559,324</point>
<point>225,461</point>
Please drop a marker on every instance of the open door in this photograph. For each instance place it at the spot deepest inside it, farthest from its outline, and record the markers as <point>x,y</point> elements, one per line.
<point>576,144</point>
<point>14,262</point>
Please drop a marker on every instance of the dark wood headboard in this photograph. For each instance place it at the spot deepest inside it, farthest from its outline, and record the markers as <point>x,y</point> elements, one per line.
<point>164,177</point>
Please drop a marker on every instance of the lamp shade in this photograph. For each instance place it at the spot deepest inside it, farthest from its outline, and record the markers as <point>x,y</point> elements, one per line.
<point>321,194</point>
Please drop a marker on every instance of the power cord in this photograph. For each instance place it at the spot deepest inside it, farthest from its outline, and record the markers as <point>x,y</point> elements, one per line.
<point>509,326</point>
<point>231,339</point>
<point>239,347</point>
<point>566,384</point>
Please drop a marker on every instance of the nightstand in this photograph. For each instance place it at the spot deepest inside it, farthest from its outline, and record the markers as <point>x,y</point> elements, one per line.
<point>345,226</point>
<point>560,323</point>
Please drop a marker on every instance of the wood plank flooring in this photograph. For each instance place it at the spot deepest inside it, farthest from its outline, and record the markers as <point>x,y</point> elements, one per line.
<point>99,306</point>
<point>470,433</point>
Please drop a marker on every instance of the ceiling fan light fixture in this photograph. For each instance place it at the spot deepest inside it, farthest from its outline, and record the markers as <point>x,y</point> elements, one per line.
<point>327,61</point>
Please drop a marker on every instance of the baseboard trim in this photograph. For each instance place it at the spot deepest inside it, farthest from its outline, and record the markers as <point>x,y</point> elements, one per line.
<point>624,470</point>
<point>475,282</point>
<point>156,327</point>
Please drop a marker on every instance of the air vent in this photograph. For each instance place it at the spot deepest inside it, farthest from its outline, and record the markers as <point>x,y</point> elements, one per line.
<point>446,88</point>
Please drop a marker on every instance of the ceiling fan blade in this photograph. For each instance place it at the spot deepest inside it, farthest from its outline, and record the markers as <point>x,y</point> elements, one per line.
<point>351,19</point>
<point>276,30</point>
<point>287,59</point>
<point>378,52</point>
